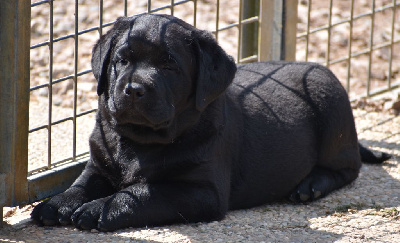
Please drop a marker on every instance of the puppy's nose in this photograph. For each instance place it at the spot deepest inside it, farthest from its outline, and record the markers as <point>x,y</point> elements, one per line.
<point>134,90</point>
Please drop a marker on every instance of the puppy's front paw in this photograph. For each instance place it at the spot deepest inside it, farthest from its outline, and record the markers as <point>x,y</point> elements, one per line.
<point>87,216</point>
<point>57,210</point>
<point>119,212</point>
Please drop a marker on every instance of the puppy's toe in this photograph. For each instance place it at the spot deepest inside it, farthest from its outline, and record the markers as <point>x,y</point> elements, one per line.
<point>45,215</point>
<point>104,226</point>
<point>316,193</point>
<point>303,192</point>
<point>64,220</point>
<point>84,220</point>
<point>87,216</point>
<point>314,186</point>
<point>35,215</point>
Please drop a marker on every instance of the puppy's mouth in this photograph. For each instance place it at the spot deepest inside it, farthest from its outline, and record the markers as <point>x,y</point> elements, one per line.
<point>144,126</point>
<point>148,120</point>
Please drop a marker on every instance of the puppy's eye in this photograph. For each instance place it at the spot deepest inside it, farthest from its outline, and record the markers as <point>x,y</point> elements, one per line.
<point>122,61</point>
<point>170,67</point>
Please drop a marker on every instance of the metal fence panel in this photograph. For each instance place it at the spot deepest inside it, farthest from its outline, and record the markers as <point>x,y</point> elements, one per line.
<point>20,184</point>
<point>378,19</point>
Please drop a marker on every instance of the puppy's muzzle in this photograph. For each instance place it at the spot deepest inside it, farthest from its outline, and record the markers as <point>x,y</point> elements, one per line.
<point>134,90</point>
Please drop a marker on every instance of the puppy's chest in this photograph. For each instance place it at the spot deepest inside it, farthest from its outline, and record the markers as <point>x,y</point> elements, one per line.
<point>142,166</point>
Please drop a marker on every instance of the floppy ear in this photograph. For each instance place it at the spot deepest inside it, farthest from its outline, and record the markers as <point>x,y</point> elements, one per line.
<point>101,54</point>
<point>216,70</point>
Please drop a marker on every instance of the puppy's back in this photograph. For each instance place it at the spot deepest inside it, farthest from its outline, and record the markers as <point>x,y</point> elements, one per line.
<point>292,117</point>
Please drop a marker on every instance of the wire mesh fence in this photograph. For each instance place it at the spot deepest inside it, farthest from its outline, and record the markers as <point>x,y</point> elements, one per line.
<point>358,39</point>
<point>62,85</point>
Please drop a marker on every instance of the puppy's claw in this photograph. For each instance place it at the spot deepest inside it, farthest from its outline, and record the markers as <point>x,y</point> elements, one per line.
<point>49,222</point>
<point>65,222</point>
<point>317,194</point>
<point>84,226</point>
<point>303,197</point>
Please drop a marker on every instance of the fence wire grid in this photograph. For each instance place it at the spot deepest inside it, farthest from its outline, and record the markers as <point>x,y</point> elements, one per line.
<point>63,33</point>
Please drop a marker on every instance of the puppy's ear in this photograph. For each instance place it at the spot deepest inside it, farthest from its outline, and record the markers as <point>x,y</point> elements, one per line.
<point>216,70</point>
<point>101,54</point>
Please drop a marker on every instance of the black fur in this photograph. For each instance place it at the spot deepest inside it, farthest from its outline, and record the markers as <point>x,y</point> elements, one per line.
<point>176,141</point>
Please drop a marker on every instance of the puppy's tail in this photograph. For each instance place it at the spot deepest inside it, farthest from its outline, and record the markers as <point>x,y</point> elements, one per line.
<point>372,157</point>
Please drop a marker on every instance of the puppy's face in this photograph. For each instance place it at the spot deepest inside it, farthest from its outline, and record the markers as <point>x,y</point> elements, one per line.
<point>148,72</point>
<point>151,76</point>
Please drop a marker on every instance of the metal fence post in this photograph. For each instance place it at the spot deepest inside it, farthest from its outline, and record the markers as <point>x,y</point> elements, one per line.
<point>14,100</point>
<point>290,29</point>
<point>277,32</point>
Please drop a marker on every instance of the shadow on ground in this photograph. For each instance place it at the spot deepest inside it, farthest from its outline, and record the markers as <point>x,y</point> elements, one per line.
<point>366,210</point>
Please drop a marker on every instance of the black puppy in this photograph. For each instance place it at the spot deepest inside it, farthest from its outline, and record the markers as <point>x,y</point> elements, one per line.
<point>176,141</point>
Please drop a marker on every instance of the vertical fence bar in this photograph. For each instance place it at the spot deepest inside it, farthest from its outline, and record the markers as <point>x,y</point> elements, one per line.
<point>75,79</point>
<point>172,7</point>
<point>14,101</point>
<point>277,30</point>
<point>240,27</point>
<point>101,18</point>
<point>265,30</point>
<point>371,46</point>
<point>290,30</point>
<point>148,6</point>
<point>50,86</point>
<point>308,28</point>
<point>125,8</point>
<point>328,43</point>
<point>350,46</point>
<point>217,21</point>
<point>194,13</point>
<point>389,80</point>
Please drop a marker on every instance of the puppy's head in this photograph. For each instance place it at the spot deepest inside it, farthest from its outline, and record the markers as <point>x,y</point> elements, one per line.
<point>153,69</point>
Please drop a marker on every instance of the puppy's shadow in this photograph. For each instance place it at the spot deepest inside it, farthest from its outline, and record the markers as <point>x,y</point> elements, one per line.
<point>370,200</point>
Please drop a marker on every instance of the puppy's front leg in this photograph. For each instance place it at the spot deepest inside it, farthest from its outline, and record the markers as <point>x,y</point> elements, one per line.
<point>151,204</point>
<point>58,210</point>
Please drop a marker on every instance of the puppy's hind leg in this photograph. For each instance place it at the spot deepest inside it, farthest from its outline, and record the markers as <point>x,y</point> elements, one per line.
<point>320,182</point>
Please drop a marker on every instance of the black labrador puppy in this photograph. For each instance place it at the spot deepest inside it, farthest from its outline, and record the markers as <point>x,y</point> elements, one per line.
<point>182,134</point>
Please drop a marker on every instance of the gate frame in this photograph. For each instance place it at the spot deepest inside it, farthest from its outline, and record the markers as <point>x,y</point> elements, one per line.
<point>14,101</point>
<point>277,30</point>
